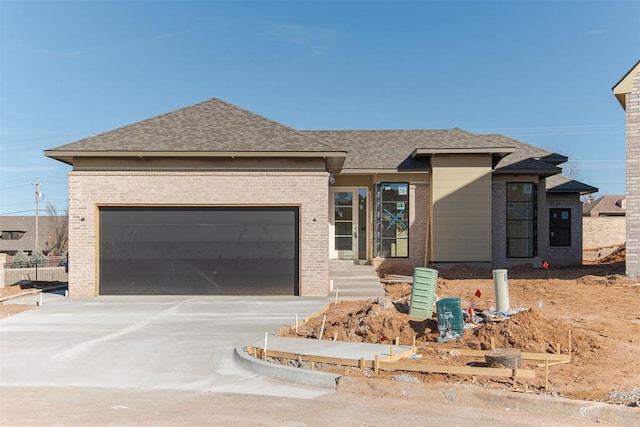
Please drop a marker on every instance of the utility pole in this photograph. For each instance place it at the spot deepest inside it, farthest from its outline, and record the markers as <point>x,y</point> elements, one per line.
<point>39,195</point>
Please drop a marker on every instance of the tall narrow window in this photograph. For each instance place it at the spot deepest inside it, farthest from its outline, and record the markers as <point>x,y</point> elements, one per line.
<point>393,220</point>
<point>521,220</point>
<point>560,227</point>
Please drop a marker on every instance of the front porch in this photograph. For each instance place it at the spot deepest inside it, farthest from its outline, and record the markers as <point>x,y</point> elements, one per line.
<point>353,281</point>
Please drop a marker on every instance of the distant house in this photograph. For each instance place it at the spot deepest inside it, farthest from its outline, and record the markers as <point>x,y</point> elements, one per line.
<point>627,92</point>
<point>214,199</point>
<point>610,205</point>
<point>18,234</point>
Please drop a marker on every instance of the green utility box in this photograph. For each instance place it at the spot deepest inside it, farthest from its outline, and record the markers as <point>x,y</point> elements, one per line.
<point>423,292</point>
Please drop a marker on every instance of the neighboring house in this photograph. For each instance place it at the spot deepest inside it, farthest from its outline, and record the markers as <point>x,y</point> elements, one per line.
<point>627,91</point>
<point>610,205</point>
<point>603,225</point>
<point>18,234</point>
<point>215,199</point>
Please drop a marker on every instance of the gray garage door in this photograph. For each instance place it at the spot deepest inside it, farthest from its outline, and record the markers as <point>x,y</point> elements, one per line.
<point>198,251</point>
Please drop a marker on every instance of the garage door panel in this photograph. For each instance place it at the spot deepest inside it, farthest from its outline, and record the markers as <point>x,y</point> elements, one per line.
<point>209,251</point>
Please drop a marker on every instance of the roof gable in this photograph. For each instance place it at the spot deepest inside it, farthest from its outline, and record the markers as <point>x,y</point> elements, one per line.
<point>625,85</point>
<point>210,126</point>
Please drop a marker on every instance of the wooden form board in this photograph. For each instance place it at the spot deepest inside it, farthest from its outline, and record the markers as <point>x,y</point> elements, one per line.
<point>551,357</point>
<point>397,366</point>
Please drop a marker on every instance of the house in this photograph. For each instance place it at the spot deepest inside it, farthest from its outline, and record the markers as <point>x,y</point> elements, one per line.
<point>603,226</point>
<point>214,199</point>
<point>609,205</point>
<point>627,92</point>
<point>17,233</point>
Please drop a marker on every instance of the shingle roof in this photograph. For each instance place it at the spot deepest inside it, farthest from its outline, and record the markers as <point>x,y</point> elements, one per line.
<point>392,149</point>
<point>210,126</point>
<point>527,158</point>
<point>608,205</point>
<point>526,151</point>
<point>563,184</point>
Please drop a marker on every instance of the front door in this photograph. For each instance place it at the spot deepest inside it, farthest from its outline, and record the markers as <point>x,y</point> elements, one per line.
<point>349,223</point>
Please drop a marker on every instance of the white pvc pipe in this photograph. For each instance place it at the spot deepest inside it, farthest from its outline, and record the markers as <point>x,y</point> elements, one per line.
<point>501,289</point>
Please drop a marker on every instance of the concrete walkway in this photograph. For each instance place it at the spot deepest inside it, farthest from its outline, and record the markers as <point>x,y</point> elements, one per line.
<point>354,281</point>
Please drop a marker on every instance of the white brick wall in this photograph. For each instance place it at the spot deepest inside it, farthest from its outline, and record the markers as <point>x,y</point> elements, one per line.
<point>308,190</point>
<point>633,179</point>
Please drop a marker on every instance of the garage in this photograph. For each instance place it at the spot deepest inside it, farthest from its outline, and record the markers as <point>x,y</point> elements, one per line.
<point>170,250</point>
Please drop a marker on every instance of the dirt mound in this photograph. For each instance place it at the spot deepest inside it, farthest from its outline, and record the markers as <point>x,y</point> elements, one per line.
<point>373,321</point>
<point>597,303</point>
<point>531,331</point>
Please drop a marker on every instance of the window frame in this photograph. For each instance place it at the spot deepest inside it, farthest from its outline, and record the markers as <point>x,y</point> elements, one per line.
<point>399,219</point>
<point>527,215</point>
<point>566,226</point>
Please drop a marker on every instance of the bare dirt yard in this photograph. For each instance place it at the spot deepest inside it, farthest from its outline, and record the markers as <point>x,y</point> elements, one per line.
<point>597,303</point>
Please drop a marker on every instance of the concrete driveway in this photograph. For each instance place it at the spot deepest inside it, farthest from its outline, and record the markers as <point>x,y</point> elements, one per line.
<point>171,342</point>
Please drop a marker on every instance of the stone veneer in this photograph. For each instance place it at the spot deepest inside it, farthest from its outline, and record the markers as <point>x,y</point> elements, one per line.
<point>89,190</point>
<point>633,179</point>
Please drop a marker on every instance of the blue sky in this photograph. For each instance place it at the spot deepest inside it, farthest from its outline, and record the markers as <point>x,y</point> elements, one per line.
<point>537,71</point>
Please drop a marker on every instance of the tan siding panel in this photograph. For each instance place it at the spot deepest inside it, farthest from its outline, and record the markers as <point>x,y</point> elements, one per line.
<point>461,208</point>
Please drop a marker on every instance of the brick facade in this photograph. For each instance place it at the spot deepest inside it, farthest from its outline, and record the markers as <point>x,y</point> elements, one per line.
<point>633,179</point>
<point>567,255</point>
<point>307,190</point>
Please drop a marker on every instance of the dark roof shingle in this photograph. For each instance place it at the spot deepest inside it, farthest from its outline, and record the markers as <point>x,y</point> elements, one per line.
<point>210,126</point>
<point>392,149</point>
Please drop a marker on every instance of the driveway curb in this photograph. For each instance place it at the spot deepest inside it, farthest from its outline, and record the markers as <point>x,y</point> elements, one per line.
<point>455,395</point>
<point>304,377</point>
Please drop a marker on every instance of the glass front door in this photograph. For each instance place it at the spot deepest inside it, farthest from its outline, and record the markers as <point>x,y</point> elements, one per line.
<point>349,225</point>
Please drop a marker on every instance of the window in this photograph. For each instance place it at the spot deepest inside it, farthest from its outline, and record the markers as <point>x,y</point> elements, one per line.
<point>12,235</point>
<point>560,227</point>
<point>521,220</point>
<point>393,220</point>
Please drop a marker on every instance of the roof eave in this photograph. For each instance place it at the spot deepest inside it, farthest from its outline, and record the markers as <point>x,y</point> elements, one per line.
<point>419,152</point>
<point>371,171</point>
<point>542,173</point>
<point>625,85</point>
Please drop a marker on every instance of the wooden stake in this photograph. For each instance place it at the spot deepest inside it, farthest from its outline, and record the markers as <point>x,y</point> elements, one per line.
<point>414,344</point>
<point>361,363</point>
<point>312,365</point>
<point>376,365</point>
<point>264,355</point>
<point>335,336</point>
<point>397,340</point>
<point>336,300</point>
<point>493,343</point>
<point>324,319</point>
<point>296,324</point>
<point>558,348</point>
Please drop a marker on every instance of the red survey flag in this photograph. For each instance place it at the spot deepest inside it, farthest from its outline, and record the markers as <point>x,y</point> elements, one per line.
<point>545,264</point>
<point>478,293</point>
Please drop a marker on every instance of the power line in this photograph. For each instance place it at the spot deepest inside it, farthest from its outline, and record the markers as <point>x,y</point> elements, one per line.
<point>17,212</point>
